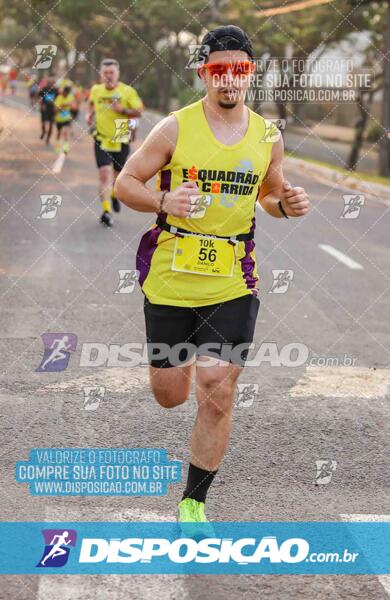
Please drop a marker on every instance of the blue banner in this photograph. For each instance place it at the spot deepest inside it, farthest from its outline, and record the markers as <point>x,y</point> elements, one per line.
<point>98,471</point>
<point>215,548</point>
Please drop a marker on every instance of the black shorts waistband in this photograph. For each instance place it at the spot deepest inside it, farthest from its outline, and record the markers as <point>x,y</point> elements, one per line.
<point>241,237</point>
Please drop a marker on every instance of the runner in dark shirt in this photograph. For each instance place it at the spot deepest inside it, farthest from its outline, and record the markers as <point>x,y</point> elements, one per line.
<point>47,95</point>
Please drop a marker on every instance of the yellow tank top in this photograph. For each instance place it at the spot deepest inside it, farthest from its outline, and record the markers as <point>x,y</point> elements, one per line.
<point>231,176</point>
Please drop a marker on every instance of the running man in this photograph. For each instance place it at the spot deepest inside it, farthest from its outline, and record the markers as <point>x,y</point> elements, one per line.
<point>57,550</point>
<point>34,88</point>
<point>13,80</point>
<point>111,105</point>
<point>201,290</point>
<point>48,94</point>
<point>63,104</point>
<point>3,84</point>
<point>60,349</point>
<point>64,82</point>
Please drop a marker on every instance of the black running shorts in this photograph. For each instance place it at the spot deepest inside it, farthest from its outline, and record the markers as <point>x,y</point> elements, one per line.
<point>224,331</point>
<point>47,113</point>
<point>117,159</point>
<point>62,124</point>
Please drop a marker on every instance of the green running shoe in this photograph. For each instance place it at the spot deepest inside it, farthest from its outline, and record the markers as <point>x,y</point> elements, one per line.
<point>192,520</point>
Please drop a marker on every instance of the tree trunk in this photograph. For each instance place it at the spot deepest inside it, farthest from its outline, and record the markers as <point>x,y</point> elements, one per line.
<point>281,106</point>
<point>282,110</point>
<point>384,147</point>
<point>165,89</point>
<point>296,107</point>
<point>360,127</point>
<point>75,68</point>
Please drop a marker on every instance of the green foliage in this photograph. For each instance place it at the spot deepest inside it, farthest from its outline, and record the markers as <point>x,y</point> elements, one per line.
<point>144,36</point>
<point>375,132</point>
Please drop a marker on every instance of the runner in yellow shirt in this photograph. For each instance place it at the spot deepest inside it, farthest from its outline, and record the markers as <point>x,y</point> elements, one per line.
<point>112,107</point>
<point>215,159</point>
<point>64,82</point>
<point>63,105</point>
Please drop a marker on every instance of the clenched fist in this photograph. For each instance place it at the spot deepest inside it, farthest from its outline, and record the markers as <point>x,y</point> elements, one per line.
<point>178,202</point>
<point>294,200</point>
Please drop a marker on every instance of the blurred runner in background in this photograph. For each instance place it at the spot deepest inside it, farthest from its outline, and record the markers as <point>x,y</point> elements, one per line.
<point>13,79</point>
<point>48,94</point>
<point>33,91</point>
<point>3,84</point>
<point>113,105</point>
<point>64,103</point>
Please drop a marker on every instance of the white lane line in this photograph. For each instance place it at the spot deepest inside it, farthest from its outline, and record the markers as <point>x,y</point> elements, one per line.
<point>115,587</point>
<point>343,258</point>
<point>384,579</point>
<point>58,164</point>
<point>343,382</point>
<point>76,514</point>
<point>132,515</point>
<point>364,518</point>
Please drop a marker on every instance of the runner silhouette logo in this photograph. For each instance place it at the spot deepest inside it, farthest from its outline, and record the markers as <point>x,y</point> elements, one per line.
<point>57,547</point>
<point>57,349</point>
<point>45,56</point>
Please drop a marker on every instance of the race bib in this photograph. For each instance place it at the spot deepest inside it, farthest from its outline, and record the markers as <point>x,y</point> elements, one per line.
<point>204,255</point>
<point>65,113</point>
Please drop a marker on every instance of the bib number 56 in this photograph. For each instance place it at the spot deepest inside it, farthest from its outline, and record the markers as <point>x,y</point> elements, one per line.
<point>209,255</point>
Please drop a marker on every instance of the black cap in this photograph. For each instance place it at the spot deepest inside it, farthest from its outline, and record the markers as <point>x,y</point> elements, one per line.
<point>226,37</point>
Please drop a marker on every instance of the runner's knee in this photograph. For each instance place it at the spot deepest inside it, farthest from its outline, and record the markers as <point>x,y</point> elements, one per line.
<point>214,410</point>
<point>216,385</point>
<point>215,397</point>
<point>171,387</point>
<point>169,398</point>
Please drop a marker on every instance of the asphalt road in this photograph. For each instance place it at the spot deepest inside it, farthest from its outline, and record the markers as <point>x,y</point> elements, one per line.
<point>310,144</point>
<point>60,275</point>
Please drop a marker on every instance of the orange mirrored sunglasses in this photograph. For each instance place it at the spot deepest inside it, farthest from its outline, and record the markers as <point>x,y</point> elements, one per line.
<point>238,68</point>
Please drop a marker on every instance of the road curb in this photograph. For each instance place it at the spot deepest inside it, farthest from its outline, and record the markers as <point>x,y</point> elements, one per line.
<point>368,188</point>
